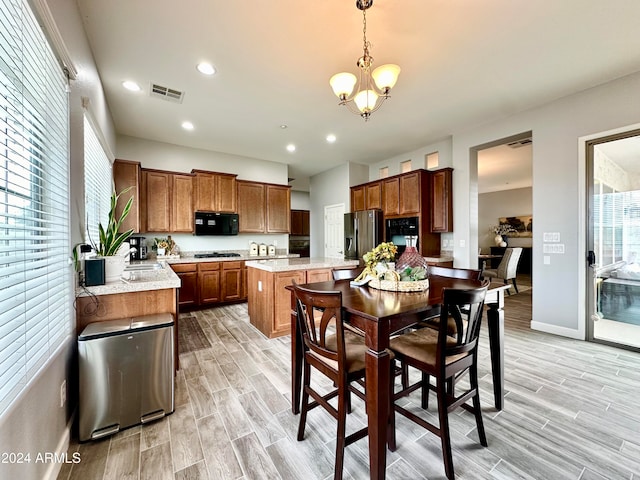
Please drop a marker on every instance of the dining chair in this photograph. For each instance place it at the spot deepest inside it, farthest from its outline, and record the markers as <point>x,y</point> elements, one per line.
<point>507,269</point>
<point>337,353</point>
<point>442,356</point>
<point>346,273</point>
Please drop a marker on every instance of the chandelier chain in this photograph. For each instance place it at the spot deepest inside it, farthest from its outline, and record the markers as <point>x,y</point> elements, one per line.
<point>365,44</point>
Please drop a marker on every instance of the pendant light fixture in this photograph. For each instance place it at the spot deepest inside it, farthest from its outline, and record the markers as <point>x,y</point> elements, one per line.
<point>373,87</point>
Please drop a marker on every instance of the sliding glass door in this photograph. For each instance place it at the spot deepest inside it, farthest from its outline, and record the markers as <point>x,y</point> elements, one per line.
<point>613,237</point>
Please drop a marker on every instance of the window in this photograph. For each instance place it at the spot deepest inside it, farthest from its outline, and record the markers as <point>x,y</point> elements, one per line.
<point>432,160</point>
<point>384,172</point>
<point>97,183</point>
<point>405,166</point>
<point>35,278</point>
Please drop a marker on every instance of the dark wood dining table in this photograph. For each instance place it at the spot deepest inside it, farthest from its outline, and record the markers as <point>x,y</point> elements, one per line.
<point>379,314</point>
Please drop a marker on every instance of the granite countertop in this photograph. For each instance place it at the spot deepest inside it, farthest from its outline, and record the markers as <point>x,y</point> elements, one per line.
<point>289,264</point>
<point>189,258</point>
<point>139,281</point>
<point>440,259</point>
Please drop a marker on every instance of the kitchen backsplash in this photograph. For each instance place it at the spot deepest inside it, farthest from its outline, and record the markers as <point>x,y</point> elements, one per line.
<point>191,243</point>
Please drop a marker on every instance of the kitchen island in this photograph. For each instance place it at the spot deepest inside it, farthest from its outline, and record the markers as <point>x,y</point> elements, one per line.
<point>144,293</point>
<point>269,302</point>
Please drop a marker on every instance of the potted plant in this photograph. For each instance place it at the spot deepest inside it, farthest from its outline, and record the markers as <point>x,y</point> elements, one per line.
<point>111,239</point>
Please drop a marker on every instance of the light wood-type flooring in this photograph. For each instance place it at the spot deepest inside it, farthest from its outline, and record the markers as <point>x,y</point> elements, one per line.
<point>572,411</point>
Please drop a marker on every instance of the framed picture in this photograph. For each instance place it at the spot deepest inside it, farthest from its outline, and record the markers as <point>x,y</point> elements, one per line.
<point>523,225</point>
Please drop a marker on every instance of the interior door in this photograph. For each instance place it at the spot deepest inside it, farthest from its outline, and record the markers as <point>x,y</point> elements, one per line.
<point>613,240</point>
<point>334,231</point>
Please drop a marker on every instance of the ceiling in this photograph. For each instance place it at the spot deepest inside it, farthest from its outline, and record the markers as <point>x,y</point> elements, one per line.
<point>464,62</point>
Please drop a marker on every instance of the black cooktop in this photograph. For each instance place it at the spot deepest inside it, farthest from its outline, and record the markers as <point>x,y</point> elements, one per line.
<point>215,255</point>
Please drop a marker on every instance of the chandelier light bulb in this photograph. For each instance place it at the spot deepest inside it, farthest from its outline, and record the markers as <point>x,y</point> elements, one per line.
<point>366,100</point>
<point>343,83</point>
<point>386,76</point>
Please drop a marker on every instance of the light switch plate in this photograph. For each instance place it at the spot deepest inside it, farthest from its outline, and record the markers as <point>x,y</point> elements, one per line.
<point>546,259</point>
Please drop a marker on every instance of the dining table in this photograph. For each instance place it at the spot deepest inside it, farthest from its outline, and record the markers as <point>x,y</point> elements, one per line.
<point>380,314</point>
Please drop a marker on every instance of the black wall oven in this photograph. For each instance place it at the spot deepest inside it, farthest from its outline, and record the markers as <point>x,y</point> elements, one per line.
<point>396,229</point>
<point>211,223</point>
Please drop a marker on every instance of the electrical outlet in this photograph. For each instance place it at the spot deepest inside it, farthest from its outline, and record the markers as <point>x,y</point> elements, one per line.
<point>63,393</point>
<point>259,285</point>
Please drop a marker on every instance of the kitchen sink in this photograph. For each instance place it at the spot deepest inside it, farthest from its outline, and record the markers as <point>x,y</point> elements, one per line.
<point>142,267</point>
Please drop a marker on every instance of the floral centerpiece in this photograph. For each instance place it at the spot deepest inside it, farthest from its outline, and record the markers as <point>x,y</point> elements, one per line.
<point>379,267</point>
<point>501,231</point>
<point>164,246</point>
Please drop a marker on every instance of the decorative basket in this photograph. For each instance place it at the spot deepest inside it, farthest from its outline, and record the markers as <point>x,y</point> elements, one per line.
<point>393,286</point>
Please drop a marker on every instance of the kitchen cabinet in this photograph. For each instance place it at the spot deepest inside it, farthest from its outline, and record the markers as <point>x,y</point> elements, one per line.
<point>214,192</point>
<point>231,281</point>
<point>127,174</point>
<point>391,196</point>
<point>300,222</point>
<point>441,201</point>
<point>373,191</point>
<point>263,207</point>
<point>269,301</point>
<point>410,193</point>
<point>358,198</point>
<point>278,208</point>
<point>188,292</point>
<point>251,207</point>
<point>208,283</point>
<point>168,201</point>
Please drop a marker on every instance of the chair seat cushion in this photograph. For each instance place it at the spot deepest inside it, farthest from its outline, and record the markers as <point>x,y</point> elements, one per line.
<point>421,345</point>
<point>355,349</point>
<point>490,273</point>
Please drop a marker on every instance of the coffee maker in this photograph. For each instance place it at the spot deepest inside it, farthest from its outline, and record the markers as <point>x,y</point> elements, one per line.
<point>141,248</point>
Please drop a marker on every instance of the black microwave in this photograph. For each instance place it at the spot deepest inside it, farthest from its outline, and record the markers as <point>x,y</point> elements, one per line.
<point>211,223</point>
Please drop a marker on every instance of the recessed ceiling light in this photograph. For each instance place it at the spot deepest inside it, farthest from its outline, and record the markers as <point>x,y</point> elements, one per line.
<point>331,138</point>
<point>206,68</point>
<point>283,126</point>
<point>291,147</point>
<point>187,125</point>
<point>130,85</point>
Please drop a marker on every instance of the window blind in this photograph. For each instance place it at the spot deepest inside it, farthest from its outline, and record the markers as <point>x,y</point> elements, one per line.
<point>35,280</point>
<point>98,184</point>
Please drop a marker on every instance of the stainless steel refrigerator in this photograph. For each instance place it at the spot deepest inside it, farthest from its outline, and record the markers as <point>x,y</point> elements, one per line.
<point>363,230</point>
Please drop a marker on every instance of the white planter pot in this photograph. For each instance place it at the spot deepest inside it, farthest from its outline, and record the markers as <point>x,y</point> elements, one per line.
<point>113,268</point>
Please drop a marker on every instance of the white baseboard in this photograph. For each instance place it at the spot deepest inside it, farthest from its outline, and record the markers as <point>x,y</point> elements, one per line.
<point>63,445</point>
<point>556,330</point>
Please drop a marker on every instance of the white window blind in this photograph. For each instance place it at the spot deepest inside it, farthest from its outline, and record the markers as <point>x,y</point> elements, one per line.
<point>35,280</point>
<point>97,183</point>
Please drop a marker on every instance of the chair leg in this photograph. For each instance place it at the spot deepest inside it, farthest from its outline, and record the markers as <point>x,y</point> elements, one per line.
<point>514,284</point>
<point>340,436</point>
<point>404,374</point>
<point>425,391</point>
<point>477,412</point>
<point>506,282</point>
<point>305,401</point>
<point>391,428</point>
<point>445,438</point>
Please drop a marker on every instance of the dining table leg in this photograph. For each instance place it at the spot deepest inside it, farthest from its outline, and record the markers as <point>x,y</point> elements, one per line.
<point>296,360</point>
<point>377,387</point>
<point>495,320</point>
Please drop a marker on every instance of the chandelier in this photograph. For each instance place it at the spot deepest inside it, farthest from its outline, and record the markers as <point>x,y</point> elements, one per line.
<point>373,86</point>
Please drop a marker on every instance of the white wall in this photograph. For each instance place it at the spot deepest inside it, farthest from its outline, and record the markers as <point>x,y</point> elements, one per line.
<point>300,200</point>
<point>507,203</point>
<point>37,423</point>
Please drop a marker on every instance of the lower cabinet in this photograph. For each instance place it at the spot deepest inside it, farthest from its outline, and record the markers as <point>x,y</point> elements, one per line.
<point>209,283</point>
<point>269,300</point>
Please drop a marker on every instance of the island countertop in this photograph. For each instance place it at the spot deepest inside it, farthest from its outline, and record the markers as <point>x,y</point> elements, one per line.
<point>304,263</point>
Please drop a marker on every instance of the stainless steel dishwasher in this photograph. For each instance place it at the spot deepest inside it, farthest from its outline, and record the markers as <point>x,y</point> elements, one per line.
<point>126,373</point>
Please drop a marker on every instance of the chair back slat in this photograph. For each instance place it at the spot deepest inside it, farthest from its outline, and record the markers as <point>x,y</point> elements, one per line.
<point>319,313</point>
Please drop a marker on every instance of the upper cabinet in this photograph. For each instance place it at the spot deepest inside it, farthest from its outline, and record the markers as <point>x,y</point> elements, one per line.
<point>411,192</point>
<point>300,222</point>
<point>127,174</point>
<point>358,196</point>
<point>168,201</point>
<point>215,192</point>
<point>263,207</point>
<point>442,201</point>
<point>373,191</point>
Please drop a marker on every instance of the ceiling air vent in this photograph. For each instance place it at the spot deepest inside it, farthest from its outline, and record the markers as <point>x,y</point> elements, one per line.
<point>520,143</point>
<point>166,93</point>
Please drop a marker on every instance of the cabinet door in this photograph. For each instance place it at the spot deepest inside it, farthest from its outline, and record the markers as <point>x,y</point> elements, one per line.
<point>296,222</point>
<point>374,195</point>
<point>391,196</point>
<point>282,304</point>
<point>278,208</point>
<point>158,201</point>
<point>231,281</point>
<point>319,275</point>
<point>182,204</point>
<point>410,193</point>
<point>226,193</point>
<point>251,207</point>
<point>127,174</point>
<point>441,201</point>
<point>188,292</point>
<point>358,196</point>
<point>306,225</point>
<point>209,283</point>
<point>204,192</point>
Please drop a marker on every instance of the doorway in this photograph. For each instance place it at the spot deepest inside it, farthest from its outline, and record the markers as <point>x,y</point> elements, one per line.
<point>334,231</point>
<point>613,239</point>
